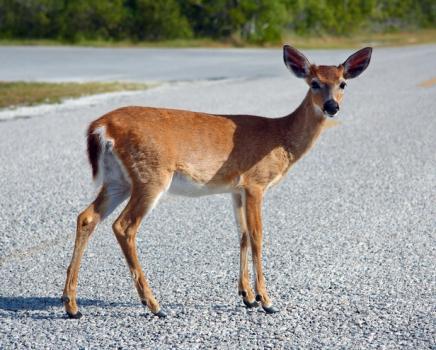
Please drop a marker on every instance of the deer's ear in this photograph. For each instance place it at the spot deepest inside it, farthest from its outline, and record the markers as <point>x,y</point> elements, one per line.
<point>296,61</point>
<point>357,63</point>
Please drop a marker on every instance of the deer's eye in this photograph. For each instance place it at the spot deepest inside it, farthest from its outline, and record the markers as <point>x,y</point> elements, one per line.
<point>315,85</point>
<point>343,85</point>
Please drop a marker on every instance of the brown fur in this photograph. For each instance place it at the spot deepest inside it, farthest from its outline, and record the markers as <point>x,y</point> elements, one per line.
<point>246,154</point>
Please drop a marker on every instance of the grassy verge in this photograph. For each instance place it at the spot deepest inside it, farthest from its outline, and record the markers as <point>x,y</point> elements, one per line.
<point>14,94</point>
<point>306,42</point>
<point>359,40</point>
<point>176,43</point>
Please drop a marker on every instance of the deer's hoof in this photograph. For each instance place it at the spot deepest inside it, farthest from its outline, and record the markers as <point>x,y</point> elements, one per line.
<point>243,293</point>
<point>250,304</point>
<point>160,314</point>
<point>270,309</point>
<point>75,316</point>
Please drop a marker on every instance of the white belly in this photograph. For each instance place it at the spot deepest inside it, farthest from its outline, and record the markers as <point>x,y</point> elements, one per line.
<point>183,186</point>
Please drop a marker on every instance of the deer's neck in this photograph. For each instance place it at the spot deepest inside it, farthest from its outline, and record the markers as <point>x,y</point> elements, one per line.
<point>302,127</point>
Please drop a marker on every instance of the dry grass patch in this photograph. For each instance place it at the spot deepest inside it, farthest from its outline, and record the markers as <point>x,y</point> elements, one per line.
<point>428,83</point>
<point>14,94</point>
<point>331,123</point>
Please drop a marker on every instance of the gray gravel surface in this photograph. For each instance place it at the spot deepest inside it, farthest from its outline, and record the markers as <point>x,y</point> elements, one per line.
<point>349,235</point>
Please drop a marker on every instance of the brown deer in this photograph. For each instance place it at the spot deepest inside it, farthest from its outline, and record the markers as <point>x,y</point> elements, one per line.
<point>140,153</point>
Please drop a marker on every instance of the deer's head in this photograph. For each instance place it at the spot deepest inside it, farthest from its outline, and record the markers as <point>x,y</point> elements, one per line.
<point>327,83</point>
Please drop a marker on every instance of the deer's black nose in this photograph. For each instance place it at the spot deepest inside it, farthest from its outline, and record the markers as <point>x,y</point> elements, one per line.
<point>331,107</point>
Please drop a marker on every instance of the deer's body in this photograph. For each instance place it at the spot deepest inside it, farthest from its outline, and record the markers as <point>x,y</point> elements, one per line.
<point>141,153</point>
<point>201,154</point>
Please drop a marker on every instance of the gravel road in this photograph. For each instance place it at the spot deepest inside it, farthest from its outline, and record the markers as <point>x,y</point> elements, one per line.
<point>349,235</point>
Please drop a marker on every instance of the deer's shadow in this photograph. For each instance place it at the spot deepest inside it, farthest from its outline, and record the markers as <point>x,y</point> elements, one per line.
<point>20,307</point>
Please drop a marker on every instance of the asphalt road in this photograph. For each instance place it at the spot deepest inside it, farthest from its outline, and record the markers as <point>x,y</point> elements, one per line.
<point>349,235</point>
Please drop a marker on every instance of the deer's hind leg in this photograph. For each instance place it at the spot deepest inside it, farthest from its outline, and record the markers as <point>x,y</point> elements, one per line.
<point>109,197</point>
<point>244,288</point>
<point>143,199</point>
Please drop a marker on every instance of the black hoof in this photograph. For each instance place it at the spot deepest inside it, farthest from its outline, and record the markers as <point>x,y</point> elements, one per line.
<point>65,299</point>
<point>160,314</point>
<point>243,293</point>
<point>270,310</point>
<point>250,305</point>
<point>75,316</point>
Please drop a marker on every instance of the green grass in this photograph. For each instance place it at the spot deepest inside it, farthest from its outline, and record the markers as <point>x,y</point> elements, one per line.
<point>422,36</point>
<point>14,94</point>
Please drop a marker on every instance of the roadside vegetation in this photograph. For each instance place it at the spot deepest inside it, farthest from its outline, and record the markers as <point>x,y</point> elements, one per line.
<point>215,22</point>
<point>15,94</point>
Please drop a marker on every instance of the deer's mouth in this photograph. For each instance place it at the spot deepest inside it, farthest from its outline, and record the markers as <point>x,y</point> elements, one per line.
<point>329,114</point>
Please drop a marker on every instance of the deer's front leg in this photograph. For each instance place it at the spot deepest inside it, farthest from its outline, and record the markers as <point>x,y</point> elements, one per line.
<point>253,203</point>
<point>244,288</point>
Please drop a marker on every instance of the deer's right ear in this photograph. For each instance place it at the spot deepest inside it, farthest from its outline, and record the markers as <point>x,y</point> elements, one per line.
<point>296,61</point>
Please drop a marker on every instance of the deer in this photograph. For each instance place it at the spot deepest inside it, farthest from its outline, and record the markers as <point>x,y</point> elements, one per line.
<point>139,153</point>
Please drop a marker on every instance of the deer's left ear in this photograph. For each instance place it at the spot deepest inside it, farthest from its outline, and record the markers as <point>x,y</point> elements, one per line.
<point>357,63</point>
